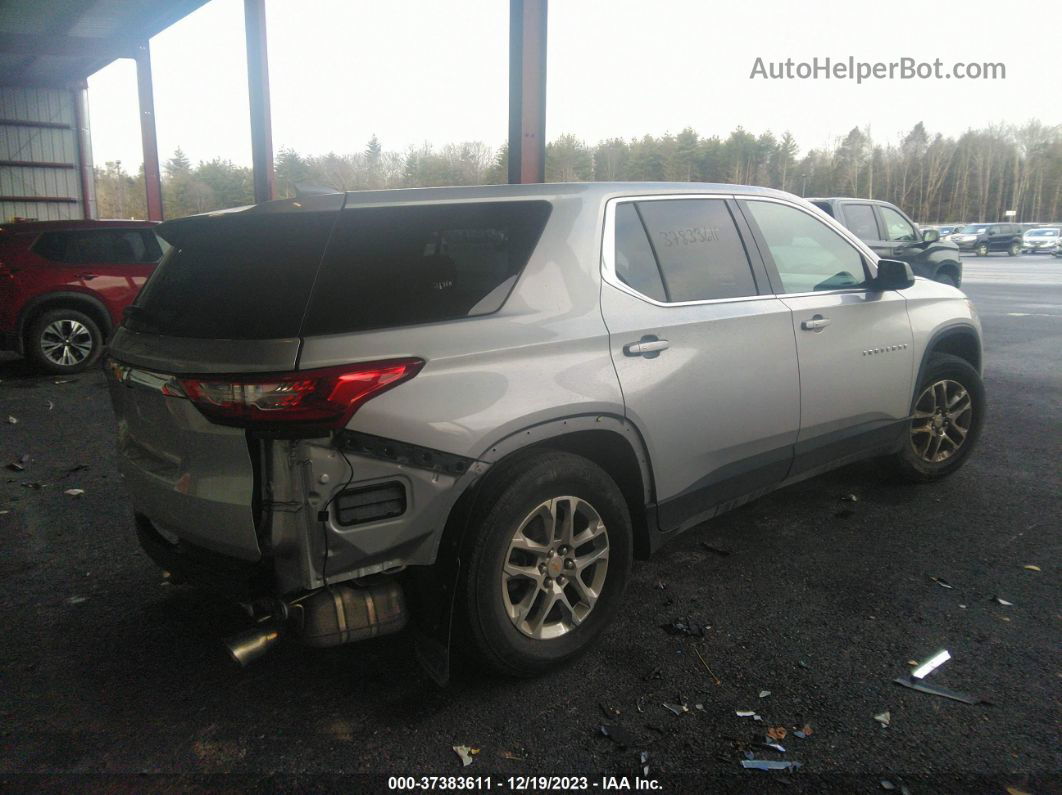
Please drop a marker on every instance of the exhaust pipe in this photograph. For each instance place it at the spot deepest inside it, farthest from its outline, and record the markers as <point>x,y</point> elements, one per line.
<point>248,646</point>
<point>329,616</point>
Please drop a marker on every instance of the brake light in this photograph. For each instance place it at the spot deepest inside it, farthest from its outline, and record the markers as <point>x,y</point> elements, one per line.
<point>325,398</point>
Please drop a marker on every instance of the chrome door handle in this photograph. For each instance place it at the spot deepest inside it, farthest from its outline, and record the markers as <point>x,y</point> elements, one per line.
<point>817,323</point>
<point>647,346</point>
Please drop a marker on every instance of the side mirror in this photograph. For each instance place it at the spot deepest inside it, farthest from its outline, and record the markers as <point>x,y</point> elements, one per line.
<point>930,235</point>
<point>893,275</point>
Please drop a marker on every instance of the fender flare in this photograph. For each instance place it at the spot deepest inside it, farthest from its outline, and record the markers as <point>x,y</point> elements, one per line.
<point>953,329</point>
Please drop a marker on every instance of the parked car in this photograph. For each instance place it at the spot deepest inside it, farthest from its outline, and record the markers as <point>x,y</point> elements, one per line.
<point>947,230</point>
<point>982,239</point>
<point>64,285</point>
<point>481,403</point>
<point>892,234</point>
<point>1042,240</point>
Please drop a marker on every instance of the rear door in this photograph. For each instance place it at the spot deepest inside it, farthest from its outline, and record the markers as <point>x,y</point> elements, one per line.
<point>854,343</point>
<point>706,360</point>
<point>229,297</point>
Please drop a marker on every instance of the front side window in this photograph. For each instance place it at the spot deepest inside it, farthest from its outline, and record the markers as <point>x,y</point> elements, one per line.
<point>808,255</point>
<point>897,227</point>
<point>700,253</point>
<point>860,219</point>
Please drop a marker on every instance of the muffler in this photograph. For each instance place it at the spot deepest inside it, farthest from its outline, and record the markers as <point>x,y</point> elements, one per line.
<point>329,616</point>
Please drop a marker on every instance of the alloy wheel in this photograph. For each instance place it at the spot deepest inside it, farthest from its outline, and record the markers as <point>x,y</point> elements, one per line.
<point>943,416</point>
<point>66,342</point>
<point>555,568</point>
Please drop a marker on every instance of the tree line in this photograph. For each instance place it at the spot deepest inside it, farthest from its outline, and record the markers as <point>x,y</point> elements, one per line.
<point>976,177</point>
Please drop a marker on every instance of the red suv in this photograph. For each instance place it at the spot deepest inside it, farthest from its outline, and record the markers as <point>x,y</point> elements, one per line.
<point>64,285</point>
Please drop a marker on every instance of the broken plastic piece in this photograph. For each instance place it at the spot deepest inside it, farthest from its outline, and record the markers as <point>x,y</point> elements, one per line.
<point>934,690</point>
<point>677,709</point>
<point>768,764</point>
<point>942,582</point>
<point>465,753</point>
<point>764,693</point>
<point>774,746</point>
<point>887,785</point>
<point>643,757</point>
<point>930,665</point>
<point>74,492</point>
<point>1030,566</point>
<point>884,718</point>
<point>1001,601</point>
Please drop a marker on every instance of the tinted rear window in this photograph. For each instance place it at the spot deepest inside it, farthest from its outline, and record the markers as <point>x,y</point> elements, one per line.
<point>397,266</point>
<point>100,247</point>
<point>239,277</point>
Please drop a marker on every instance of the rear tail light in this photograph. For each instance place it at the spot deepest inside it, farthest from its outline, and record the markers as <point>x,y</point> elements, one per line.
<point>319,399</point>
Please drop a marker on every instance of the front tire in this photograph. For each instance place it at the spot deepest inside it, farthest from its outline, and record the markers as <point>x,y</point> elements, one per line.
<point>946,420</point>
<point>948,278</point>
<point>982,250</point>
<point>549,555</point>
<point>63,341</point>
<point>1014,250</point>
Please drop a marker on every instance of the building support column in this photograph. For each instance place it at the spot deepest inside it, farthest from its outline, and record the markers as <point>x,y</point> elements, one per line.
<point>86,178</point>
<point>527,90</point>
<point>258,90</point>
<point>146,94</point>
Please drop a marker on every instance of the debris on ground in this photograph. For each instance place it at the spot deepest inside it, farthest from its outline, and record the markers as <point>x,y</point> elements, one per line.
<point>609,711</point>
<point>1001,601</point>
<point>716,550</point>
<point>4,511</point>
<point>512,755</point>
<point>932,664</point>
<point>884,719</point>
<point>699,706</point>
<point>849,498</point>
<point>74,492</point>
<point>677,709</point>
<point>643,757</point>
<point>686,626</point>
<point>776,732</point>
<point>934,690</point>
<point>76,600</point>
<point>747,713</point>
<point>774,746</point>
<point>1030,566</point>
<point>15,466</point>
<point>768,764</point>
<point>803,664</point>
<point>889,786</point>
<point>639,703</point>
<point>711,673</point>
<point>59,381</point>
<point>618,735</point>
<point>49,405</point>
<point>12,420</point>
<point>942,582</point>
<point>765,693</point>
<point>805,732</point>
<point>465,753</point>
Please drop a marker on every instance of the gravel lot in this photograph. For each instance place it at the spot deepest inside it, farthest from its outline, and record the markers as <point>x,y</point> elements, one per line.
<point>107,670</point>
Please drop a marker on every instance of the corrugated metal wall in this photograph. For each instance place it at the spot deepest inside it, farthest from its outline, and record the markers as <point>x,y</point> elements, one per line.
<point>39,162</point>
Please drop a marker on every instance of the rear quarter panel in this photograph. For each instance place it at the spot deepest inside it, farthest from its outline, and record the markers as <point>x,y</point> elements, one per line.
<point>543,356</point>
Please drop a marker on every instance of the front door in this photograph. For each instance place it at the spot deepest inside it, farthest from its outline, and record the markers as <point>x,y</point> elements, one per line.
<point>853,342</point>
<point>706,359</point>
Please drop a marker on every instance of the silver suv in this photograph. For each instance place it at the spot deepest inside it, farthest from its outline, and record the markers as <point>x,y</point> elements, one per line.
<point>471,408</point>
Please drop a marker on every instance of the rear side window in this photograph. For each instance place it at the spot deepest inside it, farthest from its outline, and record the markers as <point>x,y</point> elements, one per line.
<point>245,276</point>
<point>635,264</point>
<point>697,245</point>
<point>860,219</point>
<point>100,247</point>
<point>399,266</point>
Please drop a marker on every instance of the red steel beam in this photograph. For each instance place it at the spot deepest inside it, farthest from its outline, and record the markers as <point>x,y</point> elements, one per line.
<point>258,91</point>
<point>527,90</point>
<point>149,139</point>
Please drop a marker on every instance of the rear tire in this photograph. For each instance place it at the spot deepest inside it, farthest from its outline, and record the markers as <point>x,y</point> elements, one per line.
<point>532,602</point>
<point>981,250</point>
<point>1014,250</point>
<point>63,341</point>
<point>947,416</point>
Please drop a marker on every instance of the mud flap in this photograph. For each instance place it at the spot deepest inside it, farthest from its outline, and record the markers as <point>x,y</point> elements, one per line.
<point>432,590</point>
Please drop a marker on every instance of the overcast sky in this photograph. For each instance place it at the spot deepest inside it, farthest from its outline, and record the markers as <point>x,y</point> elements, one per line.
<point>415,71</point>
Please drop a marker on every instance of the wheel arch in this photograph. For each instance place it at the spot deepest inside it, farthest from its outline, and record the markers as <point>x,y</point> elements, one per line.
<point>90,305</point>
<point>957,339</point>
